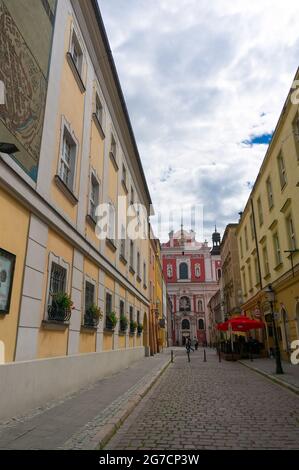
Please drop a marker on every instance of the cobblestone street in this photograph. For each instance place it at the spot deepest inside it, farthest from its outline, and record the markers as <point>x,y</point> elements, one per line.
<point>211,405</point>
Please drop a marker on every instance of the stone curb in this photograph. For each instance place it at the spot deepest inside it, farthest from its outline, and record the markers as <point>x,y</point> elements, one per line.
<point>108,430</point>
<point>290,387</point>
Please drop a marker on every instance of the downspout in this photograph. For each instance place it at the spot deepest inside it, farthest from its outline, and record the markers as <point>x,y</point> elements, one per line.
<point>256,244</point>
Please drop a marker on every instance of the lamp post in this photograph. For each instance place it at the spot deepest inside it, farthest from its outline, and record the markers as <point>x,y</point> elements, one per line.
<point>271,299</point>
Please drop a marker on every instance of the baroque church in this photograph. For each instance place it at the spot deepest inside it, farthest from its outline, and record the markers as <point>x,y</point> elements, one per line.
<point>192,271</point>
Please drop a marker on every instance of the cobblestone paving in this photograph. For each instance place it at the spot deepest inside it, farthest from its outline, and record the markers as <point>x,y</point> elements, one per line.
<point>211,405</point>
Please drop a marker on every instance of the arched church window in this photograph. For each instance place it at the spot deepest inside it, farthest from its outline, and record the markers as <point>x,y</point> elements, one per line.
<point>183,271</point>
<point>185,324</point>
<point>185,305</point>
<point>201,325</point>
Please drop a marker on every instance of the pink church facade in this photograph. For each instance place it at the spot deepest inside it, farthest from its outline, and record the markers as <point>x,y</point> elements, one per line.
<point>192,271</point>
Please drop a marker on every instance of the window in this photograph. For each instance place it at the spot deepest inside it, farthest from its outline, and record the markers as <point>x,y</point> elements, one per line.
<point>257,273</point>
<point>266,261</point>
<point>124,175</point>
<point>138,317</point>
<point>76,53</point>
<point>94,196</point>
<point>183,271</point>
<point>185,305</point>
<point>89,295</point>
<point>296,133</point>
<point>269,192</point>
<point>250,276</point>
<point>99,110</point>
<point>252,226</point>
<point>138,264</point>
<point>282,170</point>
<point>122,308</point>
<point>132,196</point>
<point>123,242</point>
<point>113,146</point>
<point>201,325</point>
<point>218,274</point>
<point>244,283</point>
<point>144,274</point>
<point>260,211</point>
<point>68,159</point>
<point>200,306</point>
<point>185,325</point>
<point>241,247</point>
<point>277,250</point>
<point>131,253</point>
<point>291,233</point>
<point>108,309</point>
<point>57,281</point>
<point>131,314</point>
<point>111,222</point>
<point>246,238</point>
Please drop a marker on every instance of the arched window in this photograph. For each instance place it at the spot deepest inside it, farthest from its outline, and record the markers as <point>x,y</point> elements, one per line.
<point>218,274</point>
<point>183,271</point>
<point>185,325</point>
<point>201,325</point>
<point>185,305</point>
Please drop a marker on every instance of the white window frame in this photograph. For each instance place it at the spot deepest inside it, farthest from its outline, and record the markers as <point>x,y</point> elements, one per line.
<point>111,217</point>
<point>270,192</point>
<point>277,249</point>
<point>282,170</point>
<point>291,231</point>
<point>67,130</point>
<point>93,178</point>
<point>76,43</point>
<point>52,258</point>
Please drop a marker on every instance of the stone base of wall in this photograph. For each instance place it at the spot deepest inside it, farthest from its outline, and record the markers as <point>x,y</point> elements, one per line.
<point>28,384</point>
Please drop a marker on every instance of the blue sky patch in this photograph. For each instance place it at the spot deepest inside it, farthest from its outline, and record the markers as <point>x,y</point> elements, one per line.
<point>258,139</point>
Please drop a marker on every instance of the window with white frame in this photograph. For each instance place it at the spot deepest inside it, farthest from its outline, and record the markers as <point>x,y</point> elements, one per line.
<point>266,261</point>
<point>68,159</point>
<point>282,170</point>
<point>57,289</point>
<point>138,264</point>
<point>94,196</point>
<point>131,254</point>
<point>144,274</point>
<point>277,250</point>
<point>269,192</point>
<point>260,211</point>
<point>124,175</point>
<point>111,222</point>
<point>123,242</point>
<point>291,233</point>
<point>99,110</point>
<point>89,295</point>
<point>113,146</point>
<point>58,277</point>
<point>76,52</point>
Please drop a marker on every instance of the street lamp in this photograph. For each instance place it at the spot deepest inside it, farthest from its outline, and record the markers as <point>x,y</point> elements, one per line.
<point>271,299</point>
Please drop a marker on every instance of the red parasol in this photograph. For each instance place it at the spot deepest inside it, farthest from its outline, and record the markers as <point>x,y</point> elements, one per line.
<point>241,323</point>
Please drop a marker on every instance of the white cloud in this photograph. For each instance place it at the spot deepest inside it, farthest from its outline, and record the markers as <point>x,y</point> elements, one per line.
<point>199,78</point>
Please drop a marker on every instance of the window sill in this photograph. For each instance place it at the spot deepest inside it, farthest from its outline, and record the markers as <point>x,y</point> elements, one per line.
<point>88,329</point>
<point>111,245</point>
<point>55,325</point>
<point>131,270</point>
<point>91,221</point>
<point>124,186</point>
<point>98,125</point>
<point>66,190</point>
<point>123,259</point>
<point>112,158</point>
<point>76,73</point>
<point>278,266</point>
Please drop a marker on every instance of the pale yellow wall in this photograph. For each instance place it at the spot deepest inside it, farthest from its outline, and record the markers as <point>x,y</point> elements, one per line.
<point>121,342</point>
<point>52,343</point>
<point>107,342</point>
<point>13,238</point>
<point>71,106</point>
<point>87,342</point>
<point>131,341</point>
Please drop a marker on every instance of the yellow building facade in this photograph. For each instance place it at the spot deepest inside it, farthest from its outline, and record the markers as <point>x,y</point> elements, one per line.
<point>268,234</point>
<point>50,225</point>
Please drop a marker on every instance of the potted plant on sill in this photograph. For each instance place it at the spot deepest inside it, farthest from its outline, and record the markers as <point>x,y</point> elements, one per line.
<point>139,329</point>
<point>61,307</point>
<point>123,323</point>
<point>111,320</point>
<point>92,316</point>
<point>133,326</point>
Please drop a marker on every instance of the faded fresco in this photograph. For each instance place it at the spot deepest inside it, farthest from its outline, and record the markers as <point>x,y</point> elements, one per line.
<point>26,30</point>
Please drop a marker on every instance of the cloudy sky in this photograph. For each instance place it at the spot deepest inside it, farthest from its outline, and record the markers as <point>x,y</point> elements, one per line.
<point>204,82</point>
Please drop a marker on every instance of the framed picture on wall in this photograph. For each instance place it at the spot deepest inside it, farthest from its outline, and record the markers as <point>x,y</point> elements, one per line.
<point>7,267</point>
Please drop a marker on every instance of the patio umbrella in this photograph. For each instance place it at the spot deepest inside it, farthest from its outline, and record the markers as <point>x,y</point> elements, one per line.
<point>241,323</point>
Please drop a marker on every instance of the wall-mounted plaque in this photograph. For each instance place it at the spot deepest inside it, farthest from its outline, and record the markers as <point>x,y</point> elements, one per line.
<point>7,266</point>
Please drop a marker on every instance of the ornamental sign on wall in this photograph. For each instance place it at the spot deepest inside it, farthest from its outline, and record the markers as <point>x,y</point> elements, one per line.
<point>7,266</point>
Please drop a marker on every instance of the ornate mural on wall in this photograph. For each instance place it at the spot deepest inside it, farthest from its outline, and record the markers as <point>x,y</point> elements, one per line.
<point>25,47</point>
